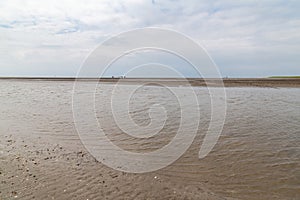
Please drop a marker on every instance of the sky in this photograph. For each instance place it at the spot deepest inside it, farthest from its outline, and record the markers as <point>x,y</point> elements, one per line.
<point>246,38</point>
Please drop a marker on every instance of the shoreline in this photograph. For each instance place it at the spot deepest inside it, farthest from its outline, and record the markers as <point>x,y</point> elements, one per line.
<point>196,82</point>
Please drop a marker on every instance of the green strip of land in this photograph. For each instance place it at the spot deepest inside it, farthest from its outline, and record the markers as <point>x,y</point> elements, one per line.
<point>284,77</point>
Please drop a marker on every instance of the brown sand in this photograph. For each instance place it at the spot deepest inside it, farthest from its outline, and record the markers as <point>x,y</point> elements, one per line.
<point>33,168</point>
<point>227,82</point>
<point>36,168</point>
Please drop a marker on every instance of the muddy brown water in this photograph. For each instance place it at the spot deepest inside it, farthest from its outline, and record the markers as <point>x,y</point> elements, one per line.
<point>257,155</point>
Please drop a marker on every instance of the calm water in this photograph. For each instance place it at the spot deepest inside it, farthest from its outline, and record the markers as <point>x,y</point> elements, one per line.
<point>256,157</point>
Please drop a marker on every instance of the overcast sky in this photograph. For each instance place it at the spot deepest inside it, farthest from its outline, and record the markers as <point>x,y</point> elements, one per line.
<point>244,38</point>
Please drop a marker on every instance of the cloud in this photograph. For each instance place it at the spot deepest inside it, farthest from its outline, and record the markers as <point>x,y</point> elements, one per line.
<point>5,26</point>
<point>245,38</point>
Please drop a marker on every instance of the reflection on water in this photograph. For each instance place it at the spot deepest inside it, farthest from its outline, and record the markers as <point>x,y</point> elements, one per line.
<point>256,157</point>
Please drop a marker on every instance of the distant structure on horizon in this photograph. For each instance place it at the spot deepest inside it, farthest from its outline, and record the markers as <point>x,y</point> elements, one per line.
<point>118,77</point>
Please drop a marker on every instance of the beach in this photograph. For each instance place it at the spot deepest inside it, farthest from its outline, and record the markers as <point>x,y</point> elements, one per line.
<point>35,169</point>
<point>212,82</point>
<point>149,100</point>
<point>257,156</point>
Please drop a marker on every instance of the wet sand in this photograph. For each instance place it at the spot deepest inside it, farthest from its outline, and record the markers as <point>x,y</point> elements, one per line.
<point>41,156</point>
<point>37,163</point>
<point>36,169</point>
<point>213,82</point>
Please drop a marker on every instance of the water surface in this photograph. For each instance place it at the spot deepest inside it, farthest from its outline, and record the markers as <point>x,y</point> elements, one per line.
<point>256,157</point>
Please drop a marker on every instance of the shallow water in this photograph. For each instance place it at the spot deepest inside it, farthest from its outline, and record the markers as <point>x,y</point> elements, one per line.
<point>256,157</point>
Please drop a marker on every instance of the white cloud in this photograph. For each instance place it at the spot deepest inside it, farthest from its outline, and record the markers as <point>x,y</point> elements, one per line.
<point>59,34</point>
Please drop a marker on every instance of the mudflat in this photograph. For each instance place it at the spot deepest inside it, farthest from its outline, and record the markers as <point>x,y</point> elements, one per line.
<point>212,82</point>
<point>256,157</point>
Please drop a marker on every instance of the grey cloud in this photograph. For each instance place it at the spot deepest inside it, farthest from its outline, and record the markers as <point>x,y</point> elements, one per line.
<point>239,35</point>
